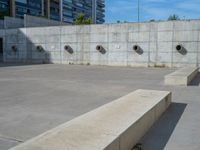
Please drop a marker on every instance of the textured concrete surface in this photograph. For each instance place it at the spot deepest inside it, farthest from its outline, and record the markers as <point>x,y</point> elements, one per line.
<point>157,42</point>
<point>34,99</point>
<point>118,125</point>
<point>182,76</point>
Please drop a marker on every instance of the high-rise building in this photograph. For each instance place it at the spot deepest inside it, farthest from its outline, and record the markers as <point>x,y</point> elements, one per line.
<point>61,10</point>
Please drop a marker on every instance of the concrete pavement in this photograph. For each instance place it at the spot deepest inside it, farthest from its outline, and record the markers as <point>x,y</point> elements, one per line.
<point>36,98</point>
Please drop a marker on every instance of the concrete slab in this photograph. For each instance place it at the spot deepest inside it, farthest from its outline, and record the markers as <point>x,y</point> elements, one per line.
<point>36,98</point>
<point>182,76</point>
<point>119,124</point>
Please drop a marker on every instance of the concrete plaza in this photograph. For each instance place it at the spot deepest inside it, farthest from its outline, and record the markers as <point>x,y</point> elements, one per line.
<point>36,98</point>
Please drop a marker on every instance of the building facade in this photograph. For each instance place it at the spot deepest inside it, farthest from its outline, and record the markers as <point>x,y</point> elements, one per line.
<point>60,10</point>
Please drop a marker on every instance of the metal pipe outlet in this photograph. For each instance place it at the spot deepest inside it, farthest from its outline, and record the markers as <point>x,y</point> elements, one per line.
<point>39,48</point>
<point>101,49</point>
<point>14,48</point>
<point>69,49</point>
<point>138,49</point>
<point>181,49</point>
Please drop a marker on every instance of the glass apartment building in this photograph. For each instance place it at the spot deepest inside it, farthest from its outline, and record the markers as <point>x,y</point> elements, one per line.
<point>31,7</point>
<point>4,8</point>
<point>60,10</point>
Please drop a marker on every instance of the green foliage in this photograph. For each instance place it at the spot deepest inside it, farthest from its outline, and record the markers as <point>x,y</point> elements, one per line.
<point>152,20</point>
<point>81,19</point>
<point>174,17</point>
<point>3,13</point>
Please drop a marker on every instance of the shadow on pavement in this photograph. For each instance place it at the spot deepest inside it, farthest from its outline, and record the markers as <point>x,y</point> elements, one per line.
<point>17,64</point>
<point>159,134</point>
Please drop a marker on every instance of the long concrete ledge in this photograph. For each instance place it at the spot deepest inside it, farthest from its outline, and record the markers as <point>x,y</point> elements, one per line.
<point>182,76</point>
<point>118,125</point>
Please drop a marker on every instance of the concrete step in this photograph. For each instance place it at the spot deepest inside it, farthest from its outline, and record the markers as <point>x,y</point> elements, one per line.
<point>182,76</point>
<point>118,125</point>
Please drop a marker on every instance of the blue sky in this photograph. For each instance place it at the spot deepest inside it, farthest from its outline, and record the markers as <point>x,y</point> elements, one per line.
<point>126,10</point>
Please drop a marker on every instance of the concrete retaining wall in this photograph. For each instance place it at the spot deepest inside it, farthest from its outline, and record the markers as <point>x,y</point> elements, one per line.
<point>157,42</point>
<point>12,22</point>
<point>33,21</point>
<point>1,24</point>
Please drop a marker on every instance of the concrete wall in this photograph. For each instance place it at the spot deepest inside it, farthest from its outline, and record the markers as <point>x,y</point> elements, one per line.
<point>157,40</point>
<point>12,22</point>
<point>33,21</point>
<point>28,21</point>
<point>1,24</point>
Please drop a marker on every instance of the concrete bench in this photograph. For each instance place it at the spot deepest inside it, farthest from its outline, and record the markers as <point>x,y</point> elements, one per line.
<point>182,76</point>
<point>118,125</point>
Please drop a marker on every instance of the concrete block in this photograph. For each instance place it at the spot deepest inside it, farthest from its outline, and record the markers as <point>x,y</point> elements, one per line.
<point>186,36</point>
<point>67,57</point>
<point>165,47</point>
<point>117,125</point>
<point>52,39</point>
<point>52,30</point>
<point>118,37</point>
<point>138,37</point>
<point>161,59</point>
<point>118,47</point>
<point>99,29</point>
<point>52,47</point>
<point>83,38</point>
<point>83,57</point>
<point>187,25</point>
<point>165,26</point>
<point>36,31</point>
<point>135,27</point>
<point>55,56</point>
<point>153,36</point>
<point>189,58</point>
<point>11,31</point>
<point>83,47</point>
<point>68,29</point>
<point>2,32</point>
<point>165,36</point>
<point>120,27</point>
<point>98,37</point>
<point>69,38</point>
<point>182,76</point>
<point>96,58</point>
<point>81,29</point>
<point>134,57</point>
<point>37,39</point>
<point>118,58</point>
<point>153,26</point>
<point>153,46</point>
<point>12,38</point>
<point>22,38</point>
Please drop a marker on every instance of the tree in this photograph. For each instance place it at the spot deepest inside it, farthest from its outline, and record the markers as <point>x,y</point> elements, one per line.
<point>3,14</point>
<point>174,17</point>
<point>82,19</point>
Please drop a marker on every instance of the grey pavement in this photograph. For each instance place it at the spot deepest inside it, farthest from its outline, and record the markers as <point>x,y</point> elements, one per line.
<point>36,98</point>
